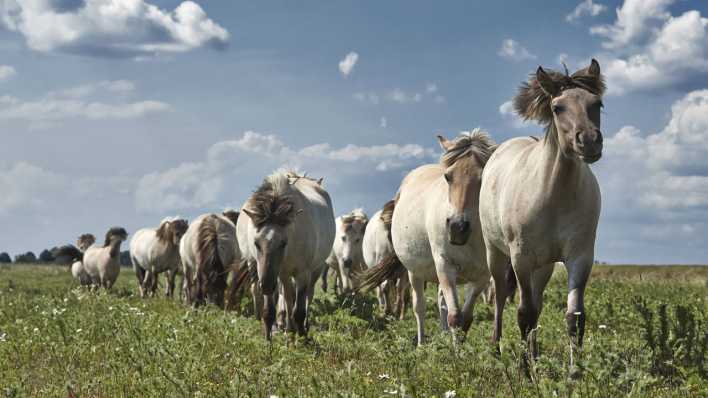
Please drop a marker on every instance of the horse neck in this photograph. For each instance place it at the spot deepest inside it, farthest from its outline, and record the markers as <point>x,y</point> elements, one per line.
<point>114,248</point>
<point>560,174</point>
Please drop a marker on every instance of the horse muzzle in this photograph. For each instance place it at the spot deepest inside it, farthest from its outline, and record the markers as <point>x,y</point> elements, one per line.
<point>458,231</point>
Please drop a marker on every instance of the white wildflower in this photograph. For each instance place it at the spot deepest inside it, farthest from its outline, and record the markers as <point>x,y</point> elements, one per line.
<point>36,330</point>
<point>384,376</point>
<point>449,394</point>
<point>3,337</point>
<point>79,330</point>
<point>602,326</point>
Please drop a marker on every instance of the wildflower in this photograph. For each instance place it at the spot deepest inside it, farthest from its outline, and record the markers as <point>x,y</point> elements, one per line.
<point>3,337</point>
<point>449,394</point>
<point>384,376</point>
<point>577,313</point>
<point>602,326</point>
<point>79,330</point>
<point>391,391</point>
<point>36,330</point>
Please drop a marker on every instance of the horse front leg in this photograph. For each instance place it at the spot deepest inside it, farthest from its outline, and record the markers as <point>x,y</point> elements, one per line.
<point>170,288</point>
<point>300,308</point>
<point>418,289</point>
<point>447,278</point>
<point>472,291</point>
<point>497,262</point>
<point>269,315</point>
<point>442,310</point>
<point>288,297</point>
<point>578,274</point>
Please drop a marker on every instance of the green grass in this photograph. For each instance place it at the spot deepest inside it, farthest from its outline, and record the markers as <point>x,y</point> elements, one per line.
<point>57,339</point>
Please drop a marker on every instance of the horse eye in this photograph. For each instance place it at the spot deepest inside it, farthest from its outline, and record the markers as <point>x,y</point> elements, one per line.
<point>344,238</point>
<point>257,244</point>
<point>448,177</point>
<point>558,109</point>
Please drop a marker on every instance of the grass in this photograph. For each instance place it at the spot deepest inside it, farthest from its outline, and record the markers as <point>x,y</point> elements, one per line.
<point>646,336</point>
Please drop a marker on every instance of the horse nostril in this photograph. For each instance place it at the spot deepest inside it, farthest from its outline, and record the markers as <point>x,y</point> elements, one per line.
<point>464,226</point>
<point>447,221</point>
<point>348,263</point>
<point>598,139</point>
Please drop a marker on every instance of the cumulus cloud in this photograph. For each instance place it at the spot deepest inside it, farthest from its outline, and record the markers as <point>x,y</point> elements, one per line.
<point>512,50</point>
<point>587,7</point>
<point>346,65</point>
<point>6,72</point>
<point>115,28</point>
<point>232,168</point>
<point>648,48</point>
<point>26,185</point>
<point>80,103</point>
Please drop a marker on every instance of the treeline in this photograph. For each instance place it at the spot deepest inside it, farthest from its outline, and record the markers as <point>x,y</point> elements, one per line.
<point>47,257</point>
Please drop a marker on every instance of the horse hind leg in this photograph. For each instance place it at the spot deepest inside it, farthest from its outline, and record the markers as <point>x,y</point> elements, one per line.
<point>418,293</point>
<point>472,291</point>
<point>497,262</point>
<point>300,308</point>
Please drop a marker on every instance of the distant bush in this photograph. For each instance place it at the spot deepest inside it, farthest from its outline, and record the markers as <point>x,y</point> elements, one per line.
<point>28,257</point>
<point>46,256</point>
<point>5,258</point>
<point>125,259</point>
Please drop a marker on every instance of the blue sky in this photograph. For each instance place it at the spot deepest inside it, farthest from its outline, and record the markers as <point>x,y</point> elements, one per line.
<point>121,112</point>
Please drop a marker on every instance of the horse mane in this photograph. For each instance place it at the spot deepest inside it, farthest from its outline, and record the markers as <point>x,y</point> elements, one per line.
<point>231,214</point>
<point>271,202</point>
<point>356,216</point>
<point>115,231</point>
<point>85,241</point>
<point>476,143</point>
<point>169,227</point>
<point>532,102</point>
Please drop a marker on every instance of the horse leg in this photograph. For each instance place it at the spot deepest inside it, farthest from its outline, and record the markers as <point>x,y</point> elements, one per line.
<point>257,300</point>
<point>402,288</point>
<point>381,295</point>
<point>447,278</point>
<point>268,315</point>
<point>497,262</point>
<point>140,276</point>
<point>442,310</point>
<point>187,285</point>
<point>418,288</point>
<point>472,291</point>
<point>578,274</point>
<point>324,278</point>
<point>288,296</point>
<point>171,276</point>
<point>300,308</point>
<point>540,278</point>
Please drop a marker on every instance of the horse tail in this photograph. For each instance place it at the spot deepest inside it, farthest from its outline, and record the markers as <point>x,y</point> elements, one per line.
<point>387,216</point>
<point>390,268</point>
<point>70,251</point>
<point>211,278</point>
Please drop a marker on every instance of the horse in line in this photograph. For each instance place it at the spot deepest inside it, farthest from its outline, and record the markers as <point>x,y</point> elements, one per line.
<point>83,242</point>
<point>539,200</point>
<point>156,250</point>
<point>436,234</point>
<point>346,258</point>
<point>288,232</point>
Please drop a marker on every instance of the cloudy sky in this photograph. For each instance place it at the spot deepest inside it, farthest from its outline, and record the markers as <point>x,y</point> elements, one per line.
<point>121,112</point>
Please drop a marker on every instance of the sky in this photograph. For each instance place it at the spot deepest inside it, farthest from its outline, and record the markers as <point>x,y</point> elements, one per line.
<point>123,112</point>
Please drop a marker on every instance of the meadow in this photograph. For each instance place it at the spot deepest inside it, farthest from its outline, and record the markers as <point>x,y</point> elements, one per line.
<point>646,336</point>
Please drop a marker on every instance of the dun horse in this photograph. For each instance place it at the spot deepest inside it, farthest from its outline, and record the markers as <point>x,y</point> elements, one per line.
<point>346,257</point>
<point>288,233</point>
<point>540,202</point>
<point>156,250</point>
<point>209,251</point>
<point>76,253</point>
<point>435,231</point>
<point>102,263</point>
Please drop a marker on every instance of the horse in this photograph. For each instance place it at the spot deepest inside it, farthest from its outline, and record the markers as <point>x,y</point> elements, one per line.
<point>346,257</point>
<point>102,263</point>
<point>539,200</point>
<point>435,232</point>
<point>376,246</point>
<point>288,234</point>
<point>209,251</point>
<point>77,267</point>
<point>156,250</point>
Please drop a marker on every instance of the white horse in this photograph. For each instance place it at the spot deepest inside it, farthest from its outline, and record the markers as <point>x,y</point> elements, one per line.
<point>77,267</point>
<point>288,233</point>
<point>156,250</point>
<point>346,257</point>
<point>376,246</point>
<point>540,202</point>
<point>102,263</point>
<point>435,231</point>
<point>209,251</point>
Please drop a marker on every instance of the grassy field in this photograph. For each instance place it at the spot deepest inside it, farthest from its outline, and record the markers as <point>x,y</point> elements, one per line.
<point>646,336</point>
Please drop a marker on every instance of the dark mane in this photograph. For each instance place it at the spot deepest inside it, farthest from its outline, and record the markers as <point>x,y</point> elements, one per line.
<point>231,214</point>
<point>85,240</point>
<point>115,231</point>
<point>533,103</point>
<point>270,203</point>
<point>476,143</point>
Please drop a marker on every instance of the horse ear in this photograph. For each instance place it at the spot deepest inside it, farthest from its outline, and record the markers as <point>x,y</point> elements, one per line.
<point>444,143</point>
<point>594,68</point>
<point>319,182</point>
<point>249,213</point>
<point>547,84</point>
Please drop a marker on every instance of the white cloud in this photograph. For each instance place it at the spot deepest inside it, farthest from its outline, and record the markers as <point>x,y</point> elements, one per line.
<point>586,7</point>
<point>254,155</point>
<point>346,65</point>
<point>650,49</point>
<point>506,110</point>
<point>77,103</point>
<point>636,19</point>
<point>26,186</point>
<point>6,72</point>
<point>110,27</point>
<point>512,50</point>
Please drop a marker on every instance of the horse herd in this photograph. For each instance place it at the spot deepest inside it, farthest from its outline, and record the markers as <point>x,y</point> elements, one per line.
<point>484,212</point>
